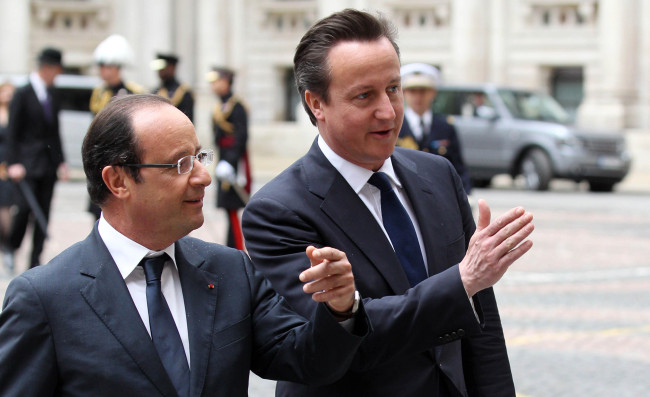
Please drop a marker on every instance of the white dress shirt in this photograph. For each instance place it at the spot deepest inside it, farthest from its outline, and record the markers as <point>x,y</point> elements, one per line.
<point>127,254</point>
<point>357,177</point>
<point>415,122</point>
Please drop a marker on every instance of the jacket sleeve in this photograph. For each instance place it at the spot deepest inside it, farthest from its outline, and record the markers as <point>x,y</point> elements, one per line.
<point>27,356</point>
<point>289,347</point>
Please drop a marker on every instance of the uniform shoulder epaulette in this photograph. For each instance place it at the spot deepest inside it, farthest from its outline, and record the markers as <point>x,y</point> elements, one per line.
<point>134,87</point>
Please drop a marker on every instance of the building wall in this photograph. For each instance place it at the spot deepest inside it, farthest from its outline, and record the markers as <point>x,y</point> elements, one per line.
<point>509,42</point>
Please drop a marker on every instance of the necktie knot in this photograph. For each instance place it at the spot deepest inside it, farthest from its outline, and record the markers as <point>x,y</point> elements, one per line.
<point>153,267</point>
<point>380,180</point>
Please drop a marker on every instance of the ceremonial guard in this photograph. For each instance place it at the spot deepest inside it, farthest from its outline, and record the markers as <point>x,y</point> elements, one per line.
<point>424,130</point>
<point>230,127</point>
<point>111,55</point>
<point>179,94</point>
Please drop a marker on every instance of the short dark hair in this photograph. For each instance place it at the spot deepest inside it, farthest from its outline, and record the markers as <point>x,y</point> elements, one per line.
<point>310,63</point>
<point>111,140</point>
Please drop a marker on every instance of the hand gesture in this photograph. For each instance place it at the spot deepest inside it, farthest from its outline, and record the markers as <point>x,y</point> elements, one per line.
<point>329,279</point>
<point>494,247</point>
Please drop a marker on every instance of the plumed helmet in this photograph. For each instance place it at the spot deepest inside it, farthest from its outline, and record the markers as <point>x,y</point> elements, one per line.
<point>114,50</point>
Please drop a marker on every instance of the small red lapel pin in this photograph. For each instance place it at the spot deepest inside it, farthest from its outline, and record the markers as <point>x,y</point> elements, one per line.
<point>211,286</point>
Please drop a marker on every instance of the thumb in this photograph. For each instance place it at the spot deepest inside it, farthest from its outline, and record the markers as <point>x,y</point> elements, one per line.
<point>313,256</point>
<point>483,215</point>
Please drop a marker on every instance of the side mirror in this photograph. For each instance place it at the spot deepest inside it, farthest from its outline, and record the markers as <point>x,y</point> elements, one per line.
<point>487,112</point>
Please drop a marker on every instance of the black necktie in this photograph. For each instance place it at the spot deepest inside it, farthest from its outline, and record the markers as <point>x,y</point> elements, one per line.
<point>400,229</point>
<point>164,333</point>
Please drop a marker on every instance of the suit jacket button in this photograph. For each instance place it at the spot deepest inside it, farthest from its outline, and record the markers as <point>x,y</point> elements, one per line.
<point>461,332</point>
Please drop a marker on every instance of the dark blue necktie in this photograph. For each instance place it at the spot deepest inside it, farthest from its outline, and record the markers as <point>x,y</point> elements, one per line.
<point>400,229</point>
<point>164,333</point>
<point>47,107</point>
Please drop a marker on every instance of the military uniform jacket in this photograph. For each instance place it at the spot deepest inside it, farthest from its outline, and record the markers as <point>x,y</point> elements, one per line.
<point>230,127</point>
<point>102,94</point>
<point>180,95</point>
<point>441,139</point>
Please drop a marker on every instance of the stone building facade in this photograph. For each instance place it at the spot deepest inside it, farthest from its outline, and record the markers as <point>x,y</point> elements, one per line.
<point>593,55</point>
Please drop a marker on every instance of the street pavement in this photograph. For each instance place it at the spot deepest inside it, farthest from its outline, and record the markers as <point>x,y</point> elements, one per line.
<point>575,310</point>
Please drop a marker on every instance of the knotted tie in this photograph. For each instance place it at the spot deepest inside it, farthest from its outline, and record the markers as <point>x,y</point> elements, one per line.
<point>164,333</point>
<point>400,229</point>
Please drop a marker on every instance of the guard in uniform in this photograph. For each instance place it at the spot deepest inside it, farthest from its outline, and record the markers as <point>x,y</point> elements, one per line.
<point>111,55</point>
<point>424,130</point>
<point>230,127</point>
<point>180,95</point>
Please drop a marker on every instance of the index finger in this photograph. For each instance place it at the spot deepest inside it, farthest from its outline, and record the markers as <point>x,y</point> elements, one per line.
<point>504,220</point>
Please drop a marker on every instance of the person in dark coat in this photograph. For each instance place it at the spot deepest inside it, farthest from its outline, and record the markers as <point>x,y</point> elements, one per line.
<point>34,151</point>
<point>179,94</point>
<point>423,130</point>
<point>106,318</point>
<point>424,269</point>
<point>230,127</point>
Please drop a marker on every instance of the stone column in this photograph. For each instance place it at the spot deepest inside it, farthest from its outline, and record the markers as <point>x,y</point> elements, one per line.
<point>610,79</point>
<point>469,41</point>
<point>14,30</point>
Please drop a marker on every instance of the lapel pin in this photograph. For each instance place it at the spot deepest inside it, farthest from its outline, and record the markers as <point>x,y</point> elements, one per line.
<point>211,286</point>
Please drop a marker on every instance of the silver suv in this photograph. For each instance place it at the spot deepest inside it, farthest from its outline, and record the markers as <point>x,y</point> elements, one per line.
<point>523,132</point>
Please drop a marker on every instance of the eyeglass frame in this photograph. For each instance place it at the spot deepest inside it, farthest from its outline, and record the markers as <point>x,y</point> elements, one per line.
<point>209,153</point>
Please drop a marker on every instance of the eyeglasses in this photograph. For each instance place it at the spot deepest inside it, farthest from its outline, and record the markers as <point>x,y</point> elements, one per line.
<point>184,165</point>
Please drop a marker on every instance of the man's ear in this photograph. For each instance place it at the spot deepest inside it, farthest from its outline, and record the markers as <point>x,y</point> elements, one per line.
<point>115,179</point>
<point>315,104</point>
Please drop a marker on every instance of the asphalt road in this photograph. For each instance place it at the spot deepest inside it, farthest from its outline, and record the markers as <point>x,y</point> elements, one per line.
<point>575,310</point>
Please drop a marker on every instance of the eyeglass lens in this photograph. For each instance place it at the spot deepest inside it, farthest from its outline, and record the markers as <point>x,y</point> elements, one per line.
<point>186,164</point>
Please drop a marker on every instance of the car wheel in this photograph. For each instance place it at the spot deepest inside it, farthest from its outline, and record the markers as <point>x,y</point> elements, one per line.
<point>536,170</point>
<point>596,186</point>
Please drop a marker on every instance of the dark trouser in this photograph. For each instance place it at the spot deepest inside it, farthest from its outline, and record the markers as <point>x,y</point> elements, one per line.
<point>43,189</point>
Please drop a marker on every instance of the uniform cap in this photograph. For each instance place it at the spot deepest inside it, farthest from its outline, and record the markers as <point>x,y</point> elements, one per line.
<point>419,75</point>
<point>162,60</point>
<point>114,50</point>
<point>219,72</point>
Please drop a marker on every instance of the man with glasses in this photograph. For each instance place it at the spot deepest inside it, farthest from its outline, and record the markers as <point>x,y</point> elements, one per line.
<point>140,309</point>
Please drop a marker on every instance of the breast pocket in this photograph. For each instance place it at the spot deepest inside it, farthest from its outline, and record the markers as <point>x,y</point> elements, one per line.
<point>455,251</point>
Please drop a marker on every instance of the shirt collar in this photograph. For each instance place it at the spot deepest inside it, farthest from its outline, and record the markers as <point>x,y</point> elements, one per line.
<point>126,253</point>
<point>38,85</point>
<point>356,176</point>
<point>414,119</point>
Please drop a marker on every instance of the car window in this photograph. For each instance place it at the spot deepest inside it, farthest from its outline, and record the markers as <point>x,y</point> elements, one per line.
<point>459,103</point>
<point>530,105</point>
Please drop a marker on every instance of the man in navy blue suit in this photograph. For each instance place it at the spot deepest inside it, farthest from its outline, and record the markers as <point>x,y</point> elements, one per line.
<point>89,324</point>
<point>436,335</point>
<point>34,151</point>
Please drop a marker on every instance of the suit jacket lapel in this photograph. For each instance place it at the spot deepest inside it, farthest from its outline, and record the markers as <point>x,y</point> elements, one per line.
<point>347,211</point>
<point>200,297</point>
<point>426,203</point>
<point>109,298</point>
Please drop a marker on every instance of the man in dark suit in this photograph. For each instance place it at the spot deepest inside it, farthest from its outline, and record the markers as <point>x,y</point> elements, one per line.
<point>179,94</point>
<point>436,325</point>
<point>34,150</point>
<point>92,321</point>
<point>230,128</point>
<point>423,130</point>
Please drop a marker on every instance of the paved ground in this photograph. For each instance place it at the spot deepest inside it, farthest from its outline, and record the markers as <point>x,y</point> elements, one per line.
<point>576,311</point>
